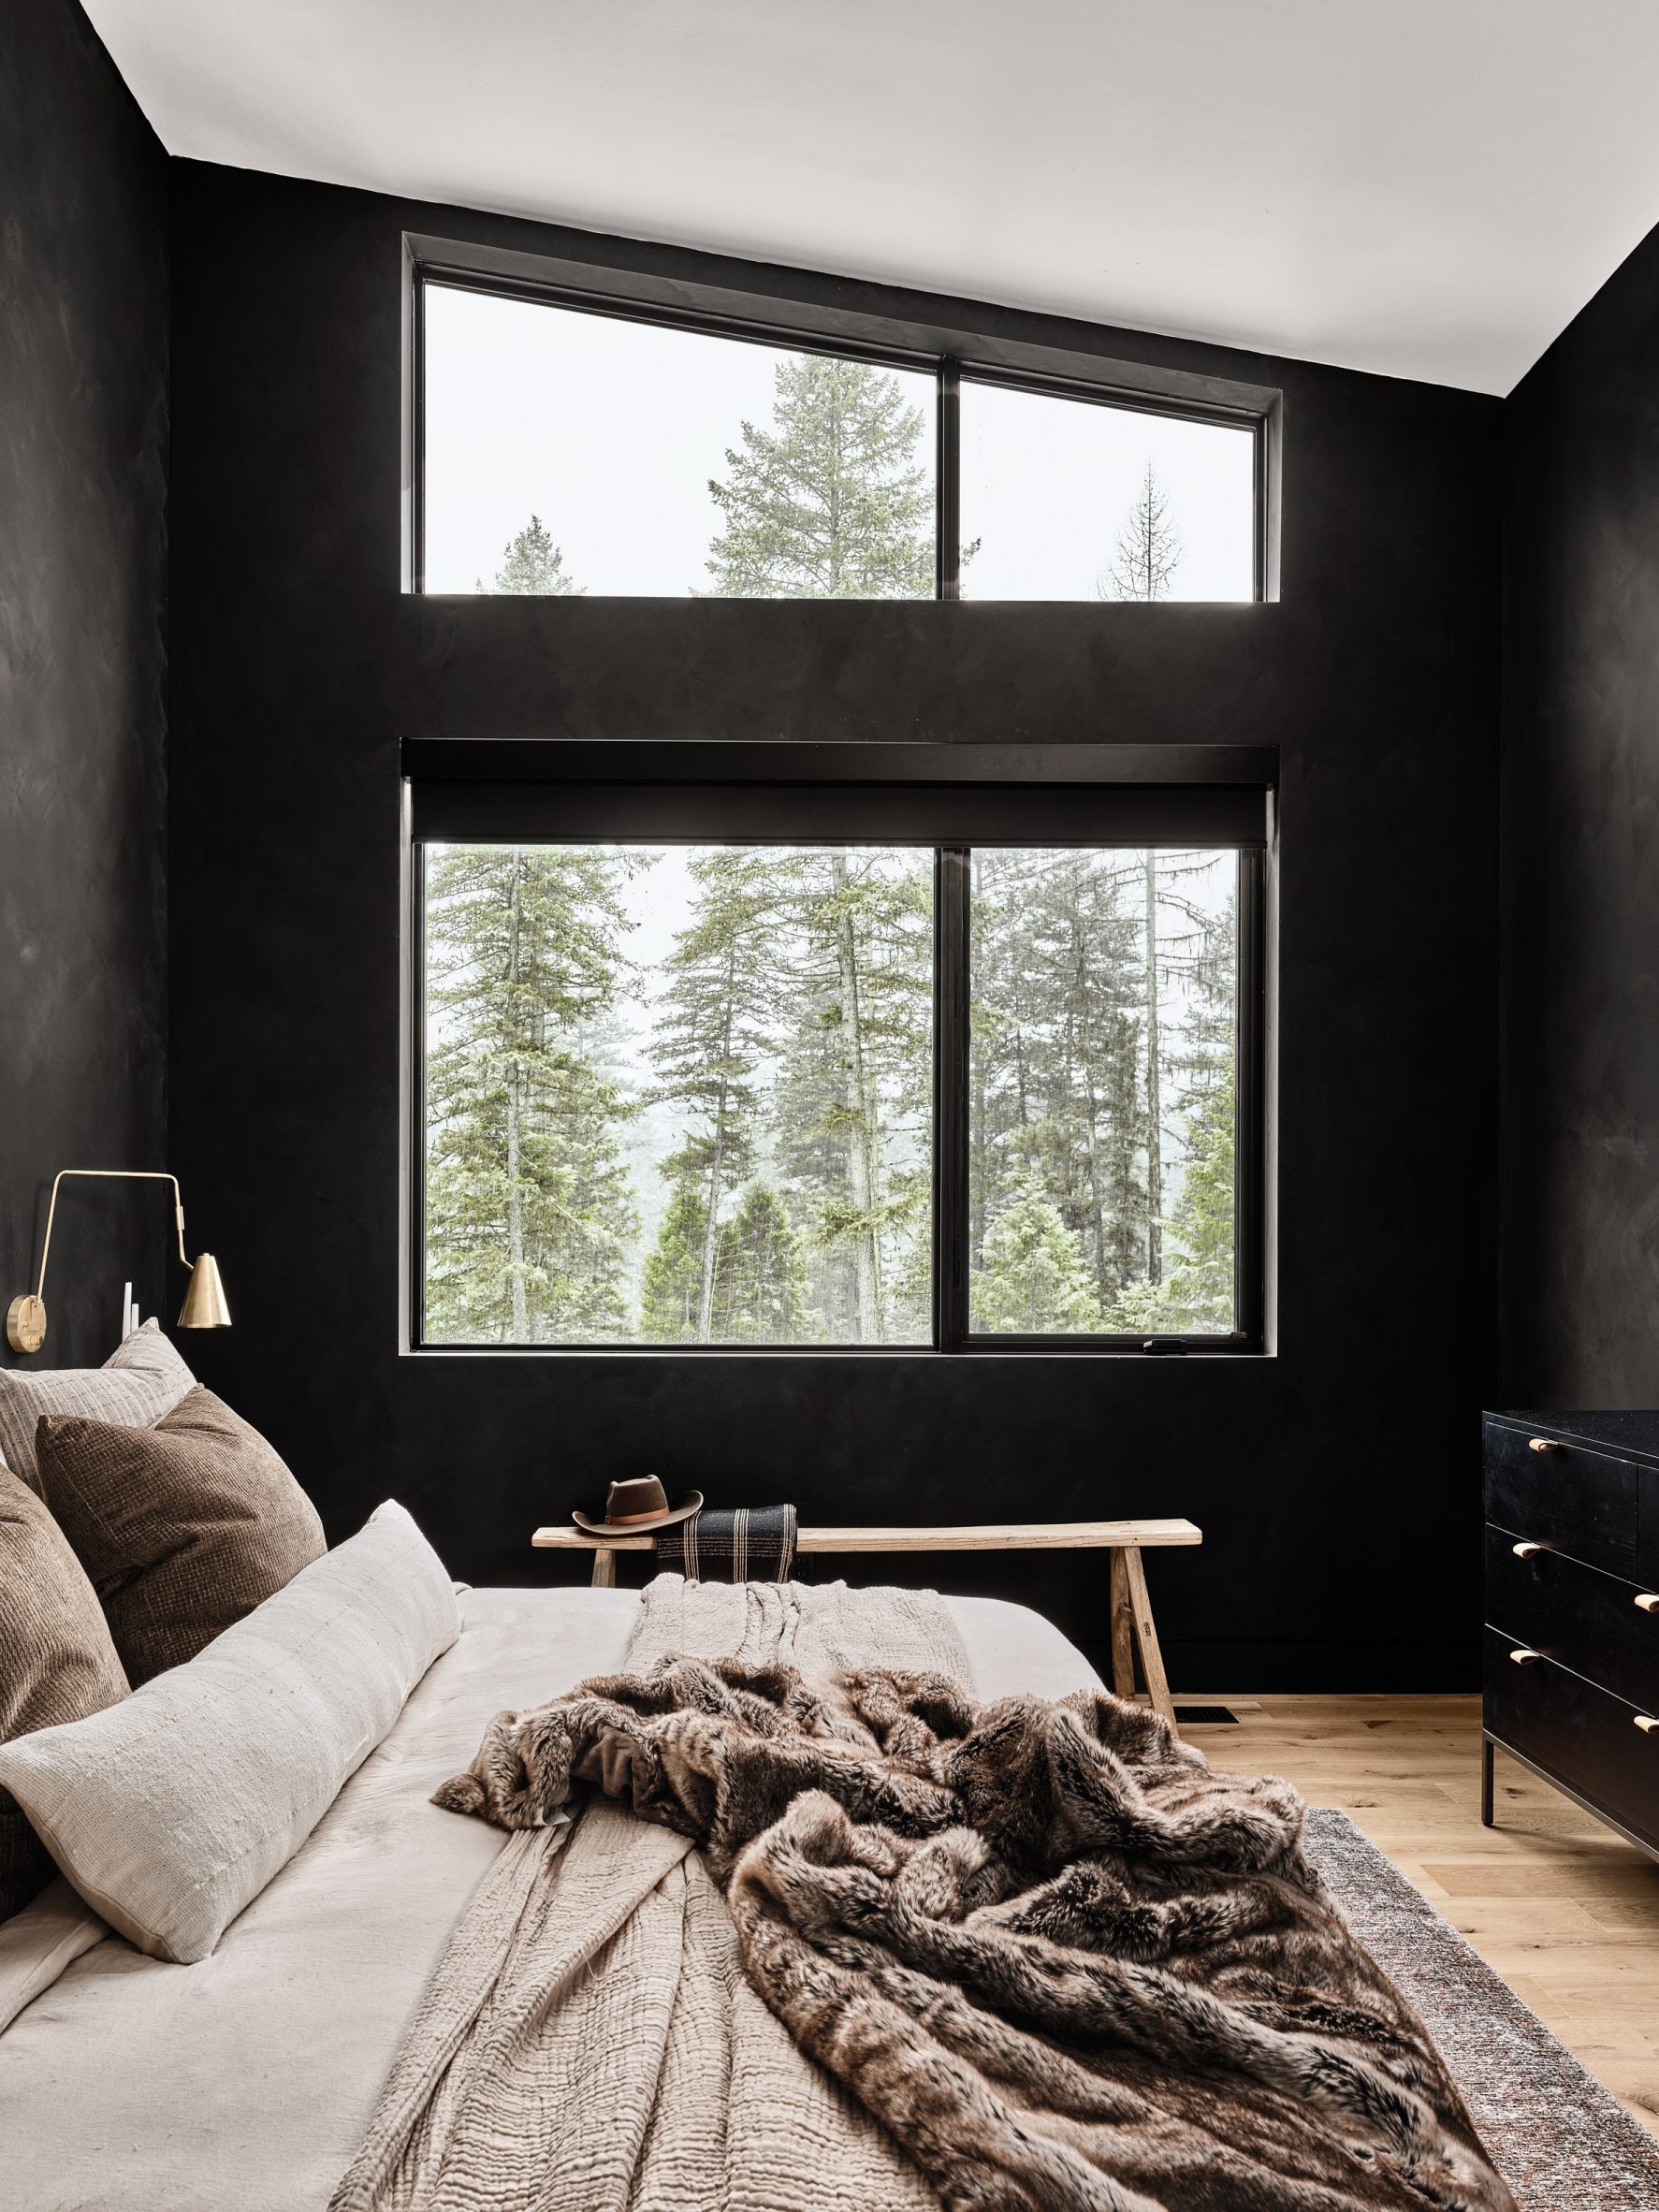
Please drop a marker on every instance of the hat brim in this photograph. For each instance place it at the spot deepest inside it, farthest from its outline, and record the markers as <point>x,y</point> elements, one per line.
<point>692,1503</point>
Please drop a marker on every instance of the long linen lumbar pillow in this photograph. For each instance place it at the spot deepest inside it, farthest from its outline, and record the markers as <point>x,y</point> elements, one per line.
<point>172,1811</point>
<point>143,1379</point>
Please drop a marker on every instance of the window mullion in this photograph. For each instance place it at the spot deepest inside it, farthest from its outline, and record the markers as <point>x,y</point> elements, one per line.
<point>948,481</point>
<point>1249,1278</point>
<point>951,1041</point>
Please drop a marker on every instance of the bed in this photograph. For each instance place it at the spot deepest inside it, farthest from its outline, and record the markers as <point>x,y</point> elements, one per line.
<point>249,2078</point>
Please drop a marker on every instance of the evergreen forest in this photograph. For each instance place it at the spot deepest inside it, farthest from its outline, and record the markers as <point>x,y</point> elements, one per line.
<point>684,1095</point>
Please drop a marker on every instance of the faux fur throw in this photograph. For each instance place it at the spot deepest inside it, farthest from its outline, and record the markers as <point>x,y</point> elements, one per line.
<point>1066,1967</point>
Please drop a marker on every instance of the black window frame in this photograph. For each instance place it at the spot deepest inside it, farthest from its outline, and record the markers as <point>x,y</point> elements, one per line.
<point>954,361</point>
<point>1087,796</point>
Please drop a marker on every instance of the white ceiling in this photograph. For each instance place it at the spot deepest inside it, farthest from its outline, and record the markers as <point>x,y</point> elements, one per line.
<point>1429,188</point>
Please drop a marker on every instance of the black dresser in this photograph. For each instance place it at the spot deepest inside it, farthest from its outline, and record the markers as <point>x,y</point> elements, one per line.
<point>1572,1609</point>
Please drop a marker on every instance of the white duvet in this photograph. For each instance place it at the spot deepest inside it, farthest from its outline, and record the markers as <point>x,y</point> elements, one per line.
<point>247,2080</point>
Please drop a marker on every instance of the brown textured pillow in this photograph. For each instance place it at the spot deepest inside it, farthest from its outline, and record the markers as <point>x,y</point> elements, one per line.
<point>56,1661</point>
<point>182,1528</point>
<point>143,1378</point>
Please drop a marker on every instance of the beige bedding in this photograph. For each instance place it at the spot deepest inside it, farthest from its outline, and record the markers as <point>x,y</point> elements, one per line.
<point>249,2078</point>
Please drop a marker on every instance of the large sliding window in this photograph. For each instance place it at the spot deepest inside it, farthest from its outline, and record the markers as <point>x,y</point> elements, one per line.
<point>568,445</point>
<point>705,1067</point>
<point>678,1094</point>
<point>1102,1091</point>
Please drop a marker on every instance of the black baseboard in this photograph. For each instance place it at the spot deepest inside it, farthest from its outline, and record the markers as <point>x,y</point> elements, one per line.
<point>1284,1667</point>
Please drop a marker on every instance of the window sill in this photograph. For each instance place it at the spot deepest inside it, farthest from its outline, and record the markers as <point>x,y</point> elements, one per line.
<point>1204,1349</point>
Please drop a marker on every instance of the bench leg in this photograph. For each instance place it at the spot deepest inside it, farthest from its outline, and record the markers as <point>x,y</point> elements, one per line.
<point>1123,1627</point>
<point>605,1569</point>
<point>1151,1659</point>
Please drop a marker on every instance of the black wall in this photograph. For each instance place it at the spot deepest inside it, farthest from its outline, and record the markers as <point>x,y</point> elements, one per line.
<point>1337,1481</point>
<point>1581,859</point>
<point>83,438</point>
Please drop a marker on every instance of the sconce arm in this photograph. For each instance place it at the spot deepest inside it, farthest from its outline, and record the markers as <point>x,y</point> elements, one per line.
<point>109,1174</point>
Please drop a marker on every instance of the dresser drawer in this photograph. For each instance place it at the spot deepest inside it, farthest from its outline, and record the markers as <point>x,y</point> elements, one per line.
<point>1587,1620</point>
<point>1585,1502</point>
<point>1583,1737</point>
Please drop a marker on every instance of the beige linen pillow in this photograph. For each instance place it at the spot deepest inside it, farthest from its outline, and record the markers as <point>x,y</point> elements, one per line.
<point>182,1528</point>
<point>56,1661</point>
<point>141,1379</point>
<point>172,1811</point>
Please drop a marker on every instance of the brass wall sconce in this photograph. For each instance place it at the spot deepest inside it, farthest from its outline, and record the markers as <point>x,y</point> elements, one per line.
<point>203,1304</point>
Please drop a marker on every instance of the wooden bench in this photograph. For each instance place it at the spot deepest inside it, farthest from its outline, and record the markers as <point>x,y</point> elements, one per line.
<point>1132,1624</point>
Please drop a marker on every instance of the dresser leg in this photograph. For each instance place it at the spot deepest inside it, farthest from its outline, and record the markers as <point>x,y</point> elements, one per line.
<point>1486,1782</point>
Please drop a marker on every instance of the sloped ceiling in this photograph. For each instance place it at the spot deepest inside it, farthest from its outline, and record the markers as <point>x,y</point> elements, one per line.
<point>1426,188</point>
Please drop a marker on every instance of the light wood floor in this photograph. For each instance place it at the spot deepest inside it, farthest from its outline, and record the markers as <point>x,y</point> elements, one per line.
<point>1562,1909</point>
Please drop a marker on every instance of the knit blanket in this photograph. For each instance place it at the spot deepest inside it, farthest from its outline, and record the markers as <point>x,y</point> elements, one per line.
<point>1028,1957</point>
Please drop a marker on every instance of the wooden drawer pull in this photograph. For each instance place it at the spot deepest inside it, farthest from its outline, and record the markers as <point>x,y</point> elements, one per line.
<point>1542,1443</point>
<point>1526,1658</point>
<point>1646,1724</point>
<point>1526,1550</point>
<point>1648,1602</point>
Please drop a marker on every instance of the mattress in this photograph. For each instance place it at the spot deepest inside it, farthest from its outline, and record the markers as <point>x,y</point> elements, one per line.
<point>248,2080</point>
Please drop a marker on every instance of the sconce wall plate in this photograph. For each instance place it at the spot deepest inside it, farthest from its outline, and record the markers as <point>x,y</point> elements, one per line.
<point>25,1323</point>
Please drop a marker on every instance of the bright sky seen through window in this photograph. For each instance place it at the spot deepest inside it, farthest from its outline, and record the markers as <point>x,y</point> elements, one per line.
<point>610,433</point>
<point>570,452</point>
<point>1056,492</point>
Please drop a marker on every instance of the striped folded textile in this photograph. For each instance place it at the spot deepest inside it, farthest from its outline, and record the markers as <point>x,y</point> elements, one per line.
<point>753,1543</point>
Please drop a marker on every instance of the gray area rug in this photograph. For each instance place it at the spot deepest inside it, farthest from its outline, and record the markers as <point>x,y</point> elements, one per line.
<point>1561,2142</point>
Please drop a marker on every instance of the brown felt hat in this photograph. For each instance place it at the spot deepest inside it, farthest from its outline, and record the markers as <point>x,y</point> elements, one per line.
<point>633,1508</point>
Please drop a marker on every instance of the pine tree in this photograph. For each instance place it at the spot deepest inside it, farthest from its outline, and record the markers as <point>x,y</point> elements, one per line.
<point>811,1156</point>
<point>853,1104</point>
<point>858,1222</point>
<point>760,1276</point>
<point>532,563</point>
<point>1181,941</point>
<point>1088,946</point>
<point>713,1031</point>
<point>1005,988</point>
<point>1148,550</point>
<point>1155,1112</point>
<point>1056,992</point>
<point>1201,1276</point>
<point>1035,1280</point>
<point>835,501</point>
<point>529,1210</point>
<point>671,1283</point>
<point>1195,1292</point>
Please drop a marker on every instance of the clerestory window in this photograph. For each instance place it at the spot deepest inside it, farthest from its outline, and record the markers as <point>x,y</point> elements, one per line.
<point>571,446</point>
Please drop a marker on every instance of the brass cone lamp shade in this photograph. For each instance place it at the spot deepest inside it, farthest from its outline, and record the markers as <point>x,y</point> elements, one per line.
<point>205,1305</point>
